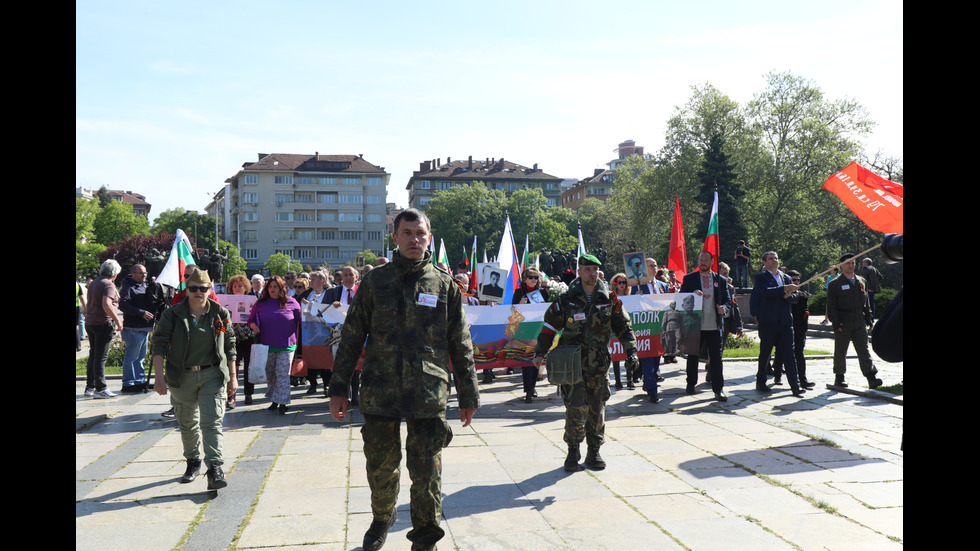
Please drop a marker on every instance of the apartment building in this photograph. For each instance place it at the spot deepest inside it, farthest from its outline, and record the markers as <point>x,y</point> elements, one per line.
<point>506,176</point>
<point>315,208</point>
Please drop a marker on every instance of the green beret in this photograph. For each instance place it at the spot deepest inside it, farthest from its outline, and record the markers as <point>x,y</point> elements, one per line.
<point>588,260</point>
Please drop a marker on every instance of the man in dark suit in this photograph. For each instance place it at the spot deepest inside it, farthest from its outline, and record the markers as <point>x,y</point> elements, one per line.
<point>771,304</point>
<point>714,295</point>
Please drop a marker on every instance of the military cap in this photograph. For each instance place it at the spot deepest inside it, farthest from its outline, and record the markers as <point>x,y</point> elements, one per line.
<point>200,277</point>
<point>588,260</point>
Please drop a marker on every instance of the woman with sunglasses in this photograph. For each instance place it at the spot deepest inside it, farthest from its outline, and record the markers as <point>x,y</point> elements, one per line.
<point>194,355</point>
<point>275,320</point>
<point>620,287</point>
<point>531,280</point>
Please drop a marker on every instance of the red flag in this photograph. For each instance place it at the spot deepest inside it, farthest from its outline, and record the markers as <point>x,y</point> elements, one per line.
<point>677,258</point>
<point>876,201</point>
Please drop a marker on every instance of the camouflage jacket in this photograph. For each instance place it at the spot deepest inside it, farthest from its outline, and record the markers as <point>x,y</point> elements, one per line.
<point>589,325</point>
<point>847,301</point>
<point>408,316</point>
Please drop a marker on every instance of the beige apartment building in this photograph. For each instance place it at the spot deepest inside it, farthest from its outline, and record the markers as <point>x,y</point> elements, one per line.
<point>315,208</point>
<point>506,176</point>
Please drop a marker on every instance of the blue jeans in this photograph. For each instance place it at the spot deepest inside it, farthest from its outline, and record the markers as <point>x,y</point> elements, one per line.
<point>742,275</point>
<point>650,366</point>
<point>132,368</point>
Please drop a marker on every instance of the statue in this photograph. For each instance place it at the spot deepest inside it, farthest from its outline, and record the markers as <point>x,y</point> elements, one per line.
<point>155,261</point>
<point>218,265</point>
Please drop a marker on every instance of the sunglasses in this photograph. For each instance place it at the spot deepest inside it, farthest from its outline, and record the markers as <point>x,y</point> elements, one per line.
<point>198,288</point>
<point>531,277</point>
<point>619,282</point>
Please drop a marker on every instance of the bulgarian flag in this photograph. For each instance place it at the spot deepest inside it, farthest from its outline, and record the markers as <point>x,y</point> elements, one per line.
<point>180,257</point>
<point>472,261</point>
<point>711,241</point>
<point>524,256</point>
<point>677,257</point>
<point>443,257</point>
<point>581,243</point>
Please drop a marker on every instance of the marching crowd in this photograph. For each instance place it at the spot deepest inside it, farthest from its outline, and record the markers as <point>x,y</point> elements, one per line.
<point>401,363</point>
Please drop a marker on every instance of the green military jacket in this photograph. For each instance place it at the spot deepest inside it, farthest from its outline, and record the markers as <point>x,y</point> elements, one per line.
<point>170,339</point>
<point>408,317</point>
<point>588,325</point>
<point>847,302</point>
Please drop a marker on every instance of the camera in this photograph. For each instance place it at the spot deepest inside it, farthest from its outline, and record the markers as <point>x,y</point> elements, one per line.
<point>892,248</point>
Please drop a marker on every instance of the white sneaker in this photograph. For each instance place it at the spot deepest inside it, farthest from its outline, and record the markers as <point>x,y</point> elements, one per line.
<point>104,394</point>
<point>89,391</point>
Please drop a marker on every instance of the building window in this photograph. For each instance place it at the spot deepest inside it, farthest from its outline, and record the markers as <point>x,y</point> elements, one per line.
<point>330,254</point>
<point>284,198</point>
<point>284,234</point>
<point>288,252</point>
<point>352,181</point>
<point>284,179</point>
<point>552,203</point>
<point>304,216</point>
<point>374,217</point>
<point>349,198</point>
<point>423,201</point>
<point>303,235</point>
<point>424,184</point>
<point>304,198</point>
<point>250,254</point>
<point>328,197</point>
<point>328,181</point>
<point>304,254</point>
<point>374,236</point>
<point>304,180</point>
<point>250,216</point>
<point>284,217</point>
<point>347,235</point>
<point>328,216</point>
<point>374,199</point>
<point>251,235</point>
<point>350,217</point>
<point>327,235</point>
<point>251,179</point>
<point>250,198</point>
<point>373,181</point>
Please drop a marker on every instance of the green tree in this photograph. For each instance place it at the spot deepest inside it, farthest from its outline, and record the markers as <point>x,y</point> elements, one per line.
<point>718,173</point>
<point>800,139</point>
<point>117,222</point>
<point>200,227</point>
<point>459,213</point>
<point>235,264</point>
<point>280,263</point>
<point>87,252</point>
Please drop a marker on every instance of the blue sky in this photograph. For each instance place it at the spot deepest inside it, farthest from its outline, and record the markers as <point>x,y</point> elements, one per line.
<point>171,98</point>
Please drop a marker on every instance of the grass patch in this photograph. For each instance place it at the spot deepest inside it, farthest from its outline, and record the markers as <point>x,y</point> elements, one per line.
<point>745,347</point>
<point>897,390</point>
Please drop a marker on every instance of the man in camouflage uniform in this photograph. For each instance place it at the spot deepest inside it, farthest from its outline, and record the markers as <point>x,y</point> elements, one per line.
<point>849,312</point>
<point>586,315</point>
<point>408,317</point>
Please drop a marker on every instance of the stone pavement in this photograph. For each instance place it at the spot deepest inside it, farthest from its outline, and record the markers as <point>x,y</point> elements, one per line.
<point>756,473</point>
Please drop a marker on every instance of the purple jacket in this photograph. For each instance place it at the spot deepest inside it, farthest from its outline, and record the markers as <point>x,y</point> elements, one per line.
<point>278,327</point>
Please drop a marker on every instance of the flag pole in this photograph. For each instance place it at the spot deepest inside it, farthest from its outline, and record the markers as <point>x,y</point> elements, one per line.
<point>828,270</point>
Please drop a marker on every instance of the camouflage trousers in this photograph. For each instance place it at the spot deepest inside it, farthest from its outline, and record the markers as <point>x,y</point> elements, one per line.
<point>423,448</point>
<point>585,409</point>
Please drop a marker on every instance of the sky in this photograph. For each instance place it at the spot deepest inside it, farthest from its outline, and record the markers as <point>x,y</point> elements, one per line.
<point>172,97</point>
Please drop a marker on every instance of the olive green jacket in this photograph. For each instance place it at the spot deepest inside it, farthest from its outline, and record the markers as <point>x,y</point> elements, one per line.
<point>408,318</point>
<point>588,325</point>
<point>847,302</point>
<point>170,339</point>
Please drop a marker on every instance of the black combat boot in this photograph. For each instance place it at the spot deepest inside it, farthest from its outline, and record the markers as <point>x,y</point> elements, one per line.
<point>377,533</point>
<point>571,461</point>
<point>593,460</point>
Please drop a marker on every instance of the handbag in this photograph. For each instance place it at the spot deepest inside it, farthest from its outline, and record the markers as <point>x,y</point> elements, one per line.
<point>565,365</point>
<point>258,358</point>
<point>298,368</point>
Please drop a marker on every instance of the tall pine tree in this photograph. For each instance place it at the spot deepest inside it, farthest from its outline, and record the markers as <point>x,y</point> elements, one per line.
<point>717,170</point>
